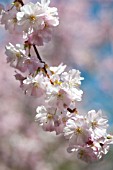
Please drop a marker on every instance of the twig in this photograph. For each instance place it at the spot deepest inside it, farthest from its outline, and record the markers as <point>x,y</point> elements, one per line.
<point>37,53</point>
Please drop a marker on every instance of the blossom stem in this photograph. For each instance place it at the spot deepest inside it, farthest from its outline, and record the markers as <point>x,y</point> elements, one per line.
<point>44,68</point>
<point>37,53</point>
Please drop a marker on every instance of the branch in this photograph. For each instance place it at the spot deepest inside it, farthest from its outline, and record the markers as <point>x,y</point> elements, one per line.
<point>37,53</point>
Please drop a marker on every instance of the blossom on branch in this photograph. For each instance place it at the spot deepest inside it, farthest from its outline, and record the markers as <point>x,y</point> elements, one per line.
<point>58,90</point>
<point>90,143</point>
<point>34,18</point>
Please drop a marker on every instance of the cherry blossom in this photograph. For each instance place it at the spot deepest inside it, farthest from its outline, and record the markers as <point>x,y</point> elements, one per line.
<point>34,86</point>
<point>49,119</point>
<point>9,19</point>
<point>33,17</point>
<point>40,37</point>
<point>77,131</point>
<point>87,154</point>
<point>72,78</point>
<point>15,55</point>
<point>45,118</point>
<point>58,88</point>
<point>97,122</point>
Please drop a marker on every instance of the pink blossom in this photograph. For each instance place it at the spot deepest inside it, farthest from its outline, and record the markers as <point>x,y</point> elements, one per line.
<point>34,86</point>
<point>15,55</point>
<point>77,131</point>
<point>33,17</point>
<point>10,21</point>
<point>45,118</point>
<point>32,64</point>
<point>87,154</point>
<point>97,122</point>
<point>39,37</point>
<point>58,98</point>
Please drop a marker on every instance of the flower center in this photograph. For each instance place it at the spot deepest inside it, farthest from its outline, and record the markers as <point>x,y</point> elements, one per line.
<point>78,130</point>
<point>56,82</point>
<point>94,124</point>
<point>73,84</point>
<point>64,120</point>
<point>50,116</point>
<point>18,55</point>
<point>109,137</point>
<point>14,20</point>
<point>32,18</point>
<point>60,96</point>
<point>35,84</point>
<point>81,154</point>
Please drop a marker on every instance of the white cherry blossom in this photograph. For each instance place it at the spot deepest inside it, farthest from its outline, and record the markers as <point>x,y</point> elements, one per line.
<point>39,37</point>
<point>103,144</point>
<point>77,131</point>
<point>70,82</point>
<point>9,19</point>
<point>31,64</point>
<point>49,119</point>
<point>30,17</point>
<point>87,154</point>
<point>57,89</point>
<point>33,17</point>
<point>72,78</point>
<point>58,98</point>
<point>34,86</point>
<point>58,70</point>
<point>45,118</point>
<point>51,13</point>
<point>97,122</point>
<point>15,55</point>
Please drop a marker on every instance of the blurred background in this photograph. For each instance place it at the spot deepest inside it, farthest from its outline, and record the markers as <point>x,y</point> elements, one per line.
<point>84,41</point>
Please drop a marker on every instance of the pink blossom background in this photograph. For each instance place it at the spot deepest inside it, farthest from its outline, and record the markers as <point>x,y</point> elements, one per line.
<point>83,40</point>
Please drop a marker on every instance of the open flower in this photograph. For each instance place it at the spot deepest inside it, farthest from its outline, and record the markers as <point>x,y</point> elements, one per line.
<point>71,82</point>
<point>77,131</point>
<point>97,123</point>
<point>33,17</point>
<point>45,118</point>
<point>39,37</point>
<point>58,98</point>
<point>34,86</point>
<point>10,21</point>
<point>16,55</point>
<point>87,154</point>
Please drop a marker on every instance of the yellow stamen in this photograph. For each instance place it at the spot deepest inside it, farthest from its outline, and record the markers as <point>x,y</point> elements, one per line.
<point>35,84</point>
<point>60,96</point>
<point>94,124</point>
<point>109,137</point>
<point>15,20</point>
<point>64,120</point>
<point>32,18</point>
<point>78,130</point>
<point>18,55</point>
<point>17,4</point>
<point>56,82</point>
<point>72,84</point>
<point>49,116</point>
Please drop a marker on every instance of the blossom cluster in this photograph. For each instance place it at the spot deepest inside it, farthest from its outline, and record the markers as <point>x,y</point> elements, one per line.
<point>34,21</point>
<point>88,135</point>
<point>58,88</point>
